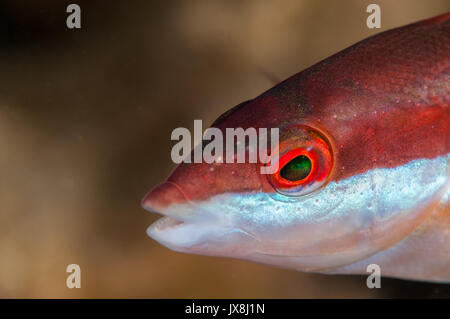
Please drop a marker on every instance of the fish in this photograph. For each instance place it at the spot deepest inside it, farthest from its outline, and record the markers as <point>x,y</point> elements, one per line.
<point>363,176</point>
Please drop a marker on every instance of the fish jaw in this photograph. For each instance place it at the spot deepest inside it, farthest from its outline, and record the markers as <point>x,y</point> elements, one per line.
<point>187,227</point>
<point>345,222</point>
<point>201,237</point>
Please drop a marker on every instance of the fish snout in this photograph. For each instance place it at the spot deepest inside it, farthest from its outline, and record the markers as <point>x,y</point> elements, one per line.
<point>162,196</point>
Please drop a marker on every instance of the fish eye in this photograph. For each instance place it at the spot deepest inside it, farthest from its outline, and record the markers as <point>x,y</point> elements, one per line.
<point>305,163</point>
<point>297,169</point>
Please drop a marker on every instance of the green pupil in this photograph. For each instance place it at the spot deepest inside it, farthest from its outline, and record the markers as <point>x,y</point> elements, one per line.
<point>297,169</point>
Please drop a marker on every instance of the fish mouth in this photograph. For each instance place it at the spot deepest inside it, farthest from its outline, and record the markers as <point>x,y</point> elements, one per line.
<point>201,232</point>
<point>187,226</point>
<point>182,235</point>
<point>165,223</point>
<point>162,199</point>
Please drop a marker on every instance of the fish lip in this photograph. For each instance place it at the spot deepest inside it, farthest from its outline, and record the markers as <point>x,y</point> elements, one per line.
<point>183,236</point>
<point>180,212</point>
<point>184,225</point>
<point>165,222</point>
<point>195,236</point>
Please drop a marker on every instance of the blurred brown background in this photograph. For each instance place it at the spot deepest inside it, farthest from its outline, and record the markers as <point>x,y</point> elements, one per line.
<point>85,123</point>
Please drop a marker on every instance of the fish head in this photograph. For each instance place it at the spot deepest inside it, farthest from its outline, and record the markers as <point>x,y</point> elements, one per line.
<point>361,162</point>
<point>317,210</point>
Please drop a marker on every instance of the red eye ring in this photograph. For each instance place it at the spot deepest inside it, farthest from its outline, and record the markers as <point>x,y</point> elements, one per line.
<point>306,141</point>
